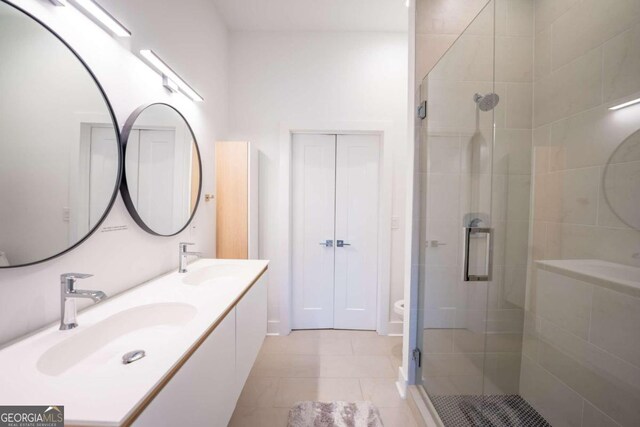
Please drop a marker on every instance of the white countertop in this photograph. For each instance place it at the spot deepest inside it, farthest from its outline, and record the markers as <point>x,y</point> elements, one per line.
<point>167,318</point>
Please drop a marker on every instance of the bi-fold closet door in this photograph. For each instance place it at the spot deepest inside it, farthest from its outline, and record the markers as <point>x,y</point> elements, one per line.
<point>335,193</point>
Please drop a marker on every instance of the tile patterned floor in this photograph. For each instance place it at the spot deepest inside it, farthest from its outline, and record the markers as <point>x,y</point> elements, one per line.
<point>323,365</point>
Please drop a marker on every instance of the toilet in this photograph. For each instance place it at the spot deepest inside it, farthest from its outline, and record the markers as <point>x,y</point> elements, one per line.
<point>398,307</point>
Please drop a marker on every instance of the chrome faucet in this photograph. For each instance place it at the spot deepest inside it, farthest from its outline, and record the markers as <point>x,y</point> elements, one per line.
<point>183,256</point>
<point>68,295</point>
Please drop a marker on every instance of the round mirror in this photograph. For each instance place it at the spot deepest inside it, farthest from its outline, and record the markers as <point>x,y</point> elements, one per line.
<point>162,169</point>
<point>60,157</point>
<point>621,181</point>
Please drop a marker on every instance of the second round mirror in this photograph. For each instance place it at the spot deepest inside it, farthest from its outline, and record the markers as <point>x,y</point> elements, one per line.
<point>162,169</point>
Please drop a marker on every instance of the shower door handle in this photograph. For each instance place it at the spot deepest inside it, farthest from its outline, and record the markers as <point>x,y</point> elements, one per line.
<point>469,233</point>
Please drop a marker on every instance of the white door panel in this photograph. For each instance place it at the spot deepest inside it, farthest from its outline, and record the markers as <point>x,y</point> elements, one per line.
<point>335,197</point>
<point>356,263</point>
<point>313,195</point>
<point>103,163</point>
<point>156,178</point>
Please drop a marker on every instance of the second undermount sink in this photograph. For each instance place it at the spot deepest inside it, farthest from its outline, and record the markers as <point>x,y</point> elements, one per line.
<point>215,275</point>
<point>140,327</point>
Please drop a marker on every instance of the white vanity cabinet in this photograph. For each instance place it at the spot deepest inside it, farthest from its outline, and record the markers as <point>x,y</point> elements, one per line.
<point>204,391</point>
<point>251,328</point>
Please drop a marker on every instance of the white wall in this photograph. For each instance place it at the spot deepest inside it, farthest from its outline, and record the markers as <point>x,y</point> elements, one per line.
<point>191,37</point>
<point>288,77</point>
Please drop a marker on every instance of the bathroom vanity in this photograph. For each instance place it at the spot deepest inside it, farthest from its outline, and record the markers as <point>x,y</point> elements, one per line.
<point>198,333</point>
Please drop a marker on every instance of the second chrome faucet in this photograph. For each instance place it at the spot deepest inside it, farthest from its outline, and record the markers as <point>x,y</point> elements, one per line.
<point>183,253</point>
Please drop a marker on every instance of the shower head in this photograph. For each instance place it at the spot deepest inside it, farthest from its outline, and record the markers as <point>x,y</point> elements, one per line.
<point>486,102</point>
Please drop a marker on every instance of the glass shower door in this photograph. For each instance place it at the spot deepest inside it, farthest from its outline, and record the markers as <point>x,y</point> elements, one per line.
<point>457,230</point>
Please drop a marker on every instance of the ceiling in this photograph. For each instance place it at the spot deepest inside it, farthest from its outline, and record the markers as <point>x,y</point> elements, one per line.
<point>314,15</point>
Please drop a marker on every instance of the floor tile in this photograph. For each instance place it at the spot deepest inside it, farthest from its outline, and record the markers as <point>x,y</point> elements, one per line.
<point>377,346</point>
<point>262,417</point>
<point>397,417</point>
<point>356,367</point>
<point>307,344</point>
<point>287,366</point>
<point>293,390</point>
<point>383,392</point>
<point>323,365</point>
<point>258,392</point>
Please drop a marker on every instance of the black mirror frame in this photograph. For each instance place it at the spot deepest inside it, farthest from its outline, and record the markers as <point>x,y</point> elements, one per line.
<point>116,129</point>
<point>124,189</point>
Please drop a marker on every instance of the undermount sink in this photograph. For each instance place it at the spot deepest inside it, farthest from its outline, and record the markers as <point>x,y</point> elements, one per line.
<point>108,340</point>
<point>215,275</point>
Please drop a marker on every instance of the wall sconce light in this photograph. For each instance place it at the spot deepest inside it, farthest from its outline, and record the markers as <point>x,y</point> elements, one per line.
<point>626,104</point>
<point>96,11</point>
<point>170,79</point>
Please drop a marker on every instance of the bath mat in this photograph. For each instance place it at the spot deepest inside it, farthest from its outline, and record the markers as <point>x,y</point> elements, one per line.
<point>334,414</point>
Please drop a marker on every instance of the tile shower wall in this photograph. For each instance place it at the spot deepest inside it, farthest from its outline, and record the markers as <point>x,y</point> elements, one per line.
<point>580,363</point>
<point>469,349</point>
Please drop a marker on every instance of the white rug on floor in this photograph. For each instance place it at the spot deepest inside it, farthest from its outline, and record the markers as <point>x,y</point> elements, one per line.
<point>334,414</point>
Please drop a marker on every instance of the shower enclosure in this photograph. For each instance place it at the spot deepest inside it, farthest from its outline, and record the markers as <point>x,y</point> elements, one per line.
<point>529,211</point>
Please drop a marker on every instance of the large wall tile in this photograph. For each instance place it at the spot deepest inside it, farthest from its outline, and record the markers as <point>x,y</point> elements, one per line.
<point>469,59</point>
<point>618,245</point>
<point>519,17</point>
<point>556,402</point>
<point>518,190</point>
<point>615,324</point>
<point>542,54</point>
<point>446,16</point>
<point>588,25</point>
<point>564,301</point>
<point>429,49</point>
<point>605,380</point>
<point>514,59</point>
<point>444,154</point>
<point>622,65</point>
<point>443,195</point>
<point>596,418</point>
<point>571,196</point>
<point>519,112</point>
<point>547,11</point>
<point>568,90</point>
<point>512,154</point>
<point>588,138</point>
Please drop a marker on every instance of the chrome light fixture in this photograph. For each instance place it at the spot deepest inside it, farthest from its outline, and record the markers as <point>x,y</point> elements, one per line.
<point>170,79</point>
<point>93,9</point>
<point>626,104</point>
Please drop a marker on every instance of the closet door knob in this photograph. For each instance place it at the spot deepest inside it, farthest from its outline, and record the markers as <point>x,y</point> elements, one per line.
<point>341,243</point>
<point>327,243</point>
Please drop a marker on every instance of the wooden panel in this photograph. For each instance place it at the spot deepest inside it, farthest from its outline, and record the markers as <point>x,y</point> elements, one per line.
<point>232,200</point>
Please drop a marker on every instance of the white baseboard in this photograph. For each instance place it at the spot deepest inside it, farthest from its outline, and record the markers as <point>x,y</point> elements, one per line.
<point>273,327</point>
<point>395,328</point>
<point>401,384</point>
